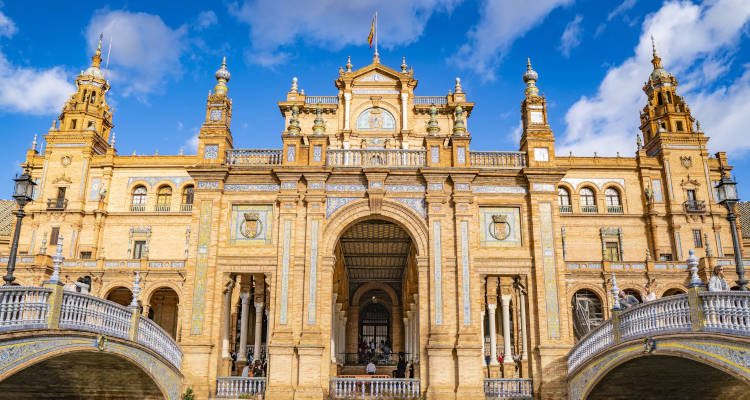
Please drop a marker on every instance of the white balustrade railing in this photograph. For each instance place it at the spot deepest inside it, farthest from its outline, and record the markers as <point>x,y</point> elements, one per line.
<point>497,159</point>
<point>153,336</point>
<point>668,314</point>
<point>727,312</point>
<point>321,99</point>
<point>23,307</point>
<point>237,386</point>
<point>373,388</point>
<point>89,313</point>
<point>376,158</point>
<point>253,157</point>
<point>595,341</point>
<point>508,388</point>
<point>430,100</point>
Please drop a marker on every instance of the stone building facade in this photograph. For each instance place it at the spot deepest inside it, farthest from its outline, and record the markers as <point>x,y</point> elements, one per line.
<point>375,221</point>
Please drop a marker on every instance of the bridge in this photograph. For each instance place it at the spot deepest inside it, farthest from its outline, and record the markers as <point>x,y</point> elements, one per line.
<point>57,344</point>
<point>694,345</point>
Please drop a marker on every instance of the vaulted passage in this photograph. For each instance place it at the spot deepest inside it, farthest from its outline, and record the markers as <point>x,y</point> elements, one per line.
<point>81,375</point>
<point>666,377</point>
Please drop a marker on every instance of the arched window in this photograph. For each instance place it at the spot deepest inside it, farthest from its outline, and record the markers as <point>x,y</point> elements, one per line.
<point>587,312</point>
<point>563,200</point>
<point>163,198</point>
<point>187,198</point>
<point>139,199</point>
<point>588,201</point>
<point>612,196</point>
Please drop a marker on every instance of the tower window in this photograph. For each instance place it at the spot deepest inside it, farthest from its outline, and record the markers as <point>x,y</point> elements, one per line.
<point>93,97</point>
<point>660,100</point>
<point>697,238</point>
<point>54,235</point>
<point>73,123</point>
<point>679,125</point>
<point>669,97</point>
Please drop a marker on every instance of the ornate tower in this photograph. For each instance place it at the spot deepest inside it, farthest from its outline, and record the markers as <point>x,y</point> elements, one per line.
<point>86,116</point>
<point>537,139</point>
<point>215,136</point>
<point>665,118</point>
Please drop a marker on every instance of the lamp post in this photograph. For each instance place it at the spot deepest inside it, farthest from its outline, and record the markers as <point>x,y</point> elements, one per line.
<point>727,195</point>
<point>22,195</point>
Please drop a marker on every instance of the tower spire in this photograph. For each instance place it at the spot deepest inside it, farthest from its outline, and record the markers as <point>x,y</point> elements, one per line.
<point>96,60</point>
<point>655,57</point>
<point>222,76</point>
<point>530,78</point>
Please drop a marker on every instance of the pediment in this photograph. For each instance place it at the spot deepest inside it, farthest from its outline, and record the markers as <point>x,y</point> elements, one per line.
<point>376,73</point>
<point>375,77</point>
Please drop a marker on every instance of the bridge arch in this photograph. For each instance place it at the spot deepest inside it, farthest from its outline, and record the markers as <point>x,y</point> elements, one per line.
<point>83,365</point>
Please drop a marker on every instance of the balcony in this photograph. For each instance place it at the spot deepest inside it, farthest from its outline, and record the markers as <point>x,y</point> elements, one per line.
<point>590,209</point>
<point>566,209</point>
<point>253,157</point>
<point>321,99</point>
<point>376,158</point>
<point>614,209</point>
<point>508,388</point>
<point>186,207</point>
<point>695,206</point>
<point>240,387</point>
<point>162,208</point>
<point>57,204</point>
<point>138,208</point>
<point>374,387</point>
<point>497,159</point>
<point>429,100</point>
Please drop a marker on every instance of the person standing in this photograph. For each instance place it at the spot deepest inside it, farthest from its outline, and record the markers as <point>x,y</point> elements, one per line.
<point>370,368</point>
<point>718,283</point>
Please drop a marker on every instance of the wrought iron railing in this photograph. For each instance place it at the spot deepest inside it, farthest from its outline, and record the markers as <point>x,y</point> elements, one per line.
<point>137,208</point>
<point>253,157</point>
<point>186,207</point>
<point>57,203</point>
<point>566,209</point>
<point>590,209</point>
<point>239,386</point>
<point>497,159</point>
<point>695,206</point>
<point>162,208</point>
<point>508,388</point>
<point>376,158</point>
<point>614,209</point>
<point>392,388</point>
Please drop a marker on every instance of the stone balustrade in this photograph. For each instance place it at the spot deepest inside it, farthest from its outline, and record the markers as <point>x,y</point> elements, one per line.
<point>497,159</point>
<point>430,100</point>
<point>253,157</point>
<point>50,307</point>
<point>398,388</point>
<point>696,311</point>
<point>238,386</point>
<point>321,99</point>
<point>376,158</point>
<point>508,388</point>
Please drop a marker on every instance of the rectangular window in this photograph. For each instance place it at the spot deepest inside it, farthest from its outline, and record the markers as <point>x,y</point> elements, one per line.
<point>613,251</point>
<point>691,195</point>
<point>665,257</point>
<point>138,249</point>
<point>697,238</point>
<point>85,255</point>
<point>61,192</point>
<point>679,125</point>
<point>54,235</point>
<point>73,124</point>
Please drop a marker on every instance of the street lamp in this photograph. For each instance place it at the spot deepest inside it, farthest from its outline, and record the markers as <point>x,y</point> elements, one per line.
<point>726,192</point>
<point>22,195</point>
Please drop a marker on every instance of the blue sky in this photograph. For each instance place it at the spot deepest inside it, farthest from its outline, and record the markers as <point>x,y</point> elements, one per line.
<point>592,58</point>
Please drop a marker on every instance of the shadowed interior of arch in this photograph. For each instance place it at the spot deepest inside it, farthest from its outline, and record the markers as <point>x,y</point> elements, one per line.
<point>81,375</point>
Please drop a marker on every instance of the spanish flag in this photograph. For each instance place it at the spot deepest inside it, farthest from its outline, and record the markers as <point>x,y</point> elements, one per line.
<point>372,30</point>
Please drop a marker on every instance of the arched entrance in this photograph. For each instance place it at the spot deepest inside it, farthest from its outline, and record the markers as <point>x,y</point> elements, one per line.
<point>120,295</point>
<point>587,312</point>
<point>668,377</point>
<point>163,309</point>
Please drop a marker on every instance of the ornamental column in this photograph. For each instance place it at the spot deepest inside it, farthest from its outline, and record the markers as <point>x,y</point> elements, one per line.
<point>342,343</point>
<point>258,327</point>
<point>227,313</point>
<point>245,303</point>
<point>484,360</point>
<point>333,328</point>
<point>415,329</point>
<point>493,333</point>
<point>407,334</point>
<point>404,110</point>
<point>508,356</point>
<point>347,104</point>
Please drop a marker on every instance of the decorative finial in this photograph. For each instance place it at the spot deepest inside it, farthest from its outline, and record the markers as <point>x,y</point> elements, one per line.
<point>136,289</point>
<point>112,142</point>
<point>302,92</point>
<point>54,125</point>
<point>692,263</point>
<point>33,143</point>
<point>458,88</point>
<point>530,78</point>
<point>319,127</point>
<point>653,46</point>
<point>403,65</point>
<point>697,126</point>
<point>294,128</point>
<point>182,152</point>
<point>459,128</point>
<point>433,128</point>
<point>57,260</point>
<point>638,141</point>
<point>349,64</point>
<point>341,70</point>
<point>709,253</point>
<point>96,60</point>
<point>222,76</point>
<point>655,60</point>
<point>294,85</point>
<point>450,92</point>
<point>615,293</point>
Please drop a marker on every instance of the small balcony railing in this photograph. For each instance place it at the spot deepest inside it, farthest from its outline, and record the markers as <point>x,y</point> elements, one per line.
<point>376,158</point>
<point>428,100</point>
<point>162,208</point>
<point>57,203</point>
<point>566,209</point>
<point>695,206</point>
<point>374,388</point>
<point>321,99</point>
<point>137,208</point>
<point>614,209</point>
<point>590,209</point>
<point>239,386</point>
<point>497,159</point>
<point>508,388</point>
<point>253,157</point>
<point>186,207</point>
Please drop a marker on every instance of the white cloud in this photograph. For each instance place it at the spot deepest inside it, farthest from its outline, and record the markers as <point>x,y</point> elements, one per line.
<point>31,90</point>
<point>500,24</point>
<point>693,40</point>
<point>622,8</point>
<point>145,51</point>
<point>330,24</point>
<point>206,19</point>
<point>571,36</point>
<point>191,145</point>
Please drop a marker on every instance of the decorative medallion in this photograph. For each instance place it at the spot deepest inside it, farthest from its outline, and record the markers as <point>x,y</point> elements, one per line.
<point>252,226</point>
<point>376,119</point>
<point>499,228</point>
<point>686,161</point>
<point>65,160</point>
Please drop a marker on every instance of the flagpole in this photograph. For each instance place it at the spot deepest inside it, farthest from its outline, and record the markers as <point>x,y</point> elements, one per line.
<point>377,56</point>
